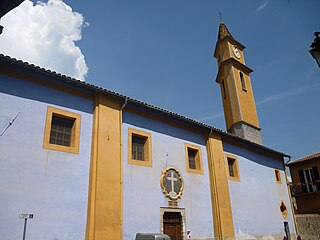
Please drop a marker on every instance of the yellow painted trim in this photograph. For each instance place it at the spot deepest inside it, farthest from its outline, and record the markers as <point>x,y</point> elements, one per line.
<point>236,168</point>
<point>220,196</point>
<point>147,148</point>
<point>278,176</point>
<point>75,136</point>
<point>105,190</point>
<point>199,167</point>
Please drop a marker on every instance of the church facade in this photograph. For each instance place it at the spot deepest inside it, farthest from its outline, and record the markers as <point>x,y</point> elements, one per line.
<point>92,164</point>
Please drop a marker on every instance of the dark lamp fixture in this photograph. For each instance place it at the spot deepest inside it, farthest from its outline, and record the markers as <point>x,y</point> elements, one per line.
<point>315,48</point>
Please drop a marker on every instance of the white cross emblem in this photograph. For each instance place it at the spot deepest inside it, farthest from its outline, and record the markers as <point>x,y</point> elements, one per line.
<point>172,179</point>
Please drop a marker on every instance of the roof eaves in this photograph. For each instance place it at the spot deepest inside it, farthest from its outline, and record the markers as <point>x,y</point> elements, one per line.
<point>305,158</point>
<point>32,67</point>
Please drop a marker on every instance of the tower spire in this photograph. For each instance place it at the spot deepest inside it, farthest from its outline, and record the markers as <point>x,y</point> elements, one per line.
<point>223,31</point>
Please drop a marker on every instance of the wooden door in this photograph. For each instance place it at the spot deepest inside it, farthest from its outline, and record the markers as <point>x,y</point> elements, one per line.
<point>172,225</point>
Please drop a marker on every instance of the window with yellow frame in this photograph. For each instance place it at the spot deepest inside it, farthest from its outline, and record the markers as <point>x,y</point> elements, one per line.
<point>278,176</point>
<point>139,148</point>
<point>193,159</point>
<point>233,168</point>
<point>62,131</point>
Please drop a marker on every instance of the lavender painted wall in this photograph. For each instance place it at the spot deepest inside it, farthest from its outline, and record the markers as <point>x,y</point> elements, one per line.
<point>256,198</point>
<point>142,194</point>
<point>53,185</point>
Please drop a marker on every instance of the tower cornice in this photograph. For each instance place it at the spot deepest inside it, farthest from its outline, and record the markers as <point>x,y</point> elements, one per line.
<point>235,63</point>
<point>229,39</point>
<point>225,35</point>
<point>243,122</point>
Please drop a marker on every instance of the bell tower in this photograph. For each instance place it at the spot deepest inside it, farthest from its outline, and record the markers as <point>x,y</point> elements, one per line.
<point>236,90</point>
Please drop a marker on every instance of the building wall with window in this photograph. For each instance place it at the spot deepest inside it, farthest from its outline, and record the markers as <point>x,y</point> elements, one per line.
<point>51,184</point>
<point>306,183</point>
<point>143,198</point>
<point>256,193</point>
<point>90,163</point>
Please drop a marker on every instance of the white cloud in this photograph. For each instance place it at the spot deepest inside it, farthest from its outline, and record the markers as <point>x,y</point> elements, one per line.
<point>45,34</point>
<point>210,117</point>
<point>262,6</point>
<point>292,92</point>
<point>270,99</point>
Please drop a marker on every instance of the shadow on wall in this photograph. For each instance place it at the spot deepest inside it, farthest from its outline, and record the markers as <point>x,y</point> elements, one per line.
<point>162,128</point>
<point>253,156</point>
<point>36,92</point>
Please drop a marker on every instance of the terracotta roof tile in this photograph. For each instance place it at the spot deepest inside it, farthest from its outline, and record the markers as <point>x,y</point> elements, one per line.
<point>223,31</point>
<point>309,157</point>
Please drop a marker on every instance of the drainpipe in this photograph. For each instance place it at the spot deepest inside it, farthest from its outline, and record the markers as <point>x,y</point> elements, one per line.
<point>124,104</point>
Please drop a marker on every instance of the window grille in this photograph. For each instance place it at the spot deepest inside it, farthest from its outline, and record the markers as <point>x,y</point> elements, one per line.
<point>61,131</point>
<point>138,148</point>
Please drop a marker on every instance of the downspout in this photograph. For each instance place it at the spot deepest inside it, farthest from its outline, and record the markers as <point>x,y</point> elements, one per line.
<point>288,161</point>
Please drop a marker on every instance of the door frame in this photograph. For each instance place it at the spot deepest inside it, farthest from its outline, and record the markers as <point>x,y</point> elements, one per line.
<point>183,219</point>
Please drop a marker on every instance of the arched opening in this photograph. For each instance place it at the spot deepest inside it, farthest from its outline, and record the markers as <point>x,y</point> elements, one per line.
<point>243,82</point>
<point>223,89</point>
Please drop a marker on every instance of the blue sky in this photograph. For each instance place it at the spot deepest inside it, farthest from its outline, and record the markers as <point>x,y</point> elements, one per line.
<point>161,52</point>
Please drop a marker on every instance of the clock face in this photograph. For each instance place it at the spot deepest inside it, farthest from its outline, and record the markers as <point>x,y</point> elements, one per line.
<point>236,51</point>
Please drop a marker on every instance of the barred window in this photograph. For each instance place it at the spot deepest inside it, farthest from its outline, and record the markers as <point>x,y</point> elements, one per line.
<point>193,159</point>
<point>139,148</point>
<point>61,131</point>
<point>138,144</point>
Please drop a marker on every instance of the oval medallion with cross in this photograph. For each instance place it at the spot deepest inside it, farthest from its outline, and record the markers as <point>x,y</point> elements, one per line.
<point>171,183</point>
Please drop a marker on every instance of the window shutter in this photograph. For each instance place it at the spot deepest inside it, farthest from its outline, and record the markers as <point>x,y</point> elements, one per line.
<point>316,177</point>
<point>302,181</point>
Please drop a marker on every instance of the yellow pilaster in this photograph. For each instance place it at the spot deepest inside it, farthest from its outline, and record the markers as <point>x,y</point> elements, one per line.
<point>220,196</point>
<point>104,219</point>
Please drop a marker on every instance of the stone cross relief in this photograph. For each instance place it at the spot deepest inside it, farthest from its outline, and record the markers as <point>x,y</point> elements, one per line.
<point>172,193</point>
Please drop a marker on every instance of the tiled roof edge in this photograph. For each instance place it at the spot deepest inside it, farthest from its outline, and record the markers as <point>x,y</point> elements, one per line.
<point>134,101</point>
<point>305,158</point>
